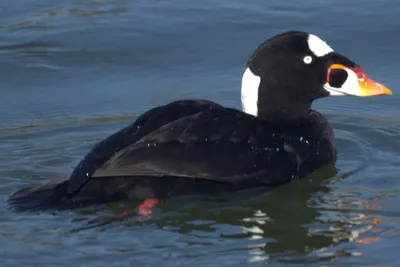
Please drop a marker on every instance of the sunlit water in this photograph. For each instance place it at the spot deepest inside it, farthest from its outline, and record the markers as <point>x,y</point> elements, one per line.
<point>73,72</point>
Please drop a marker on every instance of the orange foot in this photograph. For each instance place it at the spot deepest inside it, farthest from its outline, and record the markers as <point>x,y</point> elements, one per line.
<point>144,209</point>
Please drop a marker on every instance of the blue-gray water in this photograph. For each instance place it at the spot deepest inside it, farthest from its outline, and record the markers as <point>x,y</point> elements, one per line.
<point>73,72</point>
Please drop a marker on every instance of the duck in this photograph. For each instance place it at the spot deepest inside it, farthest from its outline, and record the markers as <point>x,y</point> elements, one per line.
<point>196,146</point>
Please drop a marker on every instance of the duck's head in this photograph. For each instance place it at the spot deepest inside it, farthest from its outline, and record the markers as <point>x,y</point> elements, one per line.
<point>287,72</point>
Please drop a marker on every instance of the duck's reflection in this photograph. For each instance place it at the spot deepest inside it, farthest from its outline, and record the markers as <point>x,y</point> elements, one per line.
<point>304,221</point>
<point>301,221</point>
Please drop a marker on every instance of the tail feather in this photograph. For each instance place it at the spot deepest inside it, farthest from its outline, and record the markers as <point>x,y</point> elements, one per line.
<point>47,196</point>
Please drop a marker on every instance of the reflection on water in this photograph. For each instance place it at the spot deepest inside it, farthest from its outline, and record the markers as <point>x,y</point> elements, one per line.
<point>303,222</point>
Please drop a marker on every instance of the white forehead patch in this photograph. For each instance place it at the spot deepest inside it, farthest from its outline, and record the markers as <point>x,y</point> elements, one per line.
<point>250,84</point>
<point>317,46</point>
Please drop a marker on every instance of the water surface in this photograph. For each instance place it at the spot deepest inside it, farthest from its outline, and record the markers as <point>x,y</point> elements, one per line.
<point>73,72</point>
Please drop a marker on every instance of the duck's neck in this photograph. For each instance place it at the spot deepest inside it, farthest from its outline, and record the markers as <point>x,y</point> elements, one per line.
<point>268,100</point>
<point>284,113</point>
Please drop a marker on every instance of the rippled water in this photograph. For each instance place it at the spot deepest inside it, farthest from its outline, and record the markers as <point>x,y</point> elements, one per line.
<point>73,72</point>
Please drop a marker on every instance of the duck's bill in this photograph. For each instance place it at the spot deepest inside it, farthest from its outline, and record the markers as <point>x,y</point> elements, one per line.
<point>342,80</point>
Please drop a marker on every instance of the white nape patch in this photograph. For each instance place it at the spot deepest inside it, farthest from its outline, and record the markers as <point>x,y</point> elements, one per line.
<point>317,46</point>
<point>250,84</point>
<point>350,86</point>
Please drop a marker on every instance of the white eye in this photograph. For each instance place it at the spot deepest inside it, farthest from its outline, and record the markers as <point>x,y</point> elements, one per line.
<point>308,59</point>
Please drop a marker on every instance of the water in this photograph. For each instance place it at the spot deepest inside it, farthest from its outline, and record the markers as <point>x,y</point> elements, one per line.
<point>73,72</point>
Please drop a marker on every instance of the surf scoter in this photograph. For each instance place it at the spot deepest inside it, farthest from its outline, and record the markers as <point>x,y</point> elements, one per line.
<point>200,147</point>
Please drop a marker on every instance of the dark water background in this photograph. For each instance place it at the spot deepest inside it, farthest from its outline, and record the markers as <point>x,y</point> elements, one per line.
<point>73,72</point>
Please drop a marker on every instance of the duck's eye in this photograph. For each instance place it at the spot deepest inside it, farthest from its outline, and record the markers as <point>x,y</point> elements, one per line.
<point>308,59</point>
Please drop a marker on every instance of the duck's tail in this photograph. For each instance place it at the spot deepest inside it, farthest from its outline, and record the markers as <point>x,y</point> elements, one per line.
<point>47,196</point>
